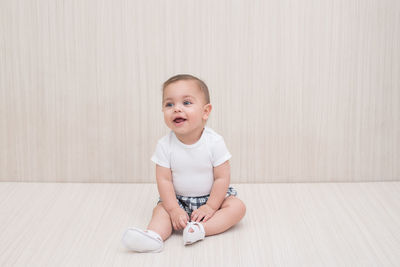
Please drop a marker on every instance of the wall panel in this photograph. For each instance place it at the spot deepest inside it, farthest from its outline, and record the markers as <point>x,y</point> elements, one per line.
<point>302,90</point>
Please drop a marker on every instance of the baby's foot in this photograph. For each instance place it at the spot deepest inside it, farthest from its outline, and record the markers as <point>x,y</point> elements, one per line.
<point>142,241</point>
<point>193,232</point>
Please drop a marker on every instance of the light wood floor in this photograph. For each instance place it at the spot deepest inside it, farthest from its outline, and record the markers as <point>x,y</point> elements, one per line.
<point>330,224</point>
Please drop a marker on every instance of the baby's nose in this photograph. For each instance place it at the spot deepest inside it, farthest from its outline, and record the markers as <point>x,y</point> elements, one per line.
<point>178,108</point>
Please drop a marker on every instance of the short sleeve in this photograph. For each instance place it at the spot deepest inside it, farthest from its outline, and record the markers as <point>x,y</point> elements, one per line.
<point>160,156</point>
<point>219,152</point>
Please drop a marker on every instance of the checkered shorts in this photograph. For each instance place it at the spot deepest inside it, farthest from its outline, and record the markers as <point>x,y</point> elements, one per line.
<point>189,204</point>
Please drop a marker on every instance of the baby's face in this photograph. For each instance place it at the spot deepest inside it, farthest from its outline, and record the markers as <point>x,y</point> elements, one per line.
<point>184,107</point>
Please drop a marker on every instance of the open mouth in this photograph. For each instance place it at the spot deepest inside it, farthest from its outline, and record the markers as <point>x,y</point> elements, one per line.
<point>179,120</point>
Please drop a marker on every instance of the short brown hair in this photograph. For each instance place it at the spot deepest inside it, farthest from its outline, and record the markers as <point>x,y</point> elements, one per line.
<point>180,77</point>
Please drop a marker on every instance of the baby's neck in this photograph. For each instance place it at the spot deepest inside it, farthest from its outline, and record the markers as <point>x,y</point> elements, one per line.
<point>190,138</point>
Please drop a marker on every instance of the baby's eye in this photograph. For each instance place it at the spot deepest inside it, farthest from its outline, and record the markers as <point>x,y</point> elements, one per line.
<point>168,105</point>
<point>187,102</point>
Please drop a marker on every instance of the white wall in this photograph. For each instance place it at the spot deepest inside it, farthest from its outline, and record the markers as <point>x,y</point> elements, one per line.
<point>302,90</point>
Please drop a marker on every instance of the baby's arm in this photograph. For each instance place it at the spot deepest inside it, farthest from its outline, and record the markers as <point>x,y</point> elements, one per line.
<point>179,217</point>
<point>222,177</point>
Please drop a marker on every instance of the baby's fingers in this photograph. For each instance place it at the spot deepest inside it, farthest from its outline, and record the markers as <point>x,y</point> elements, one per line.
<point>182,222</point>
<point>199,217</point>
<point>208,216</point>
<point>194,214</point>
<point>174,225</point>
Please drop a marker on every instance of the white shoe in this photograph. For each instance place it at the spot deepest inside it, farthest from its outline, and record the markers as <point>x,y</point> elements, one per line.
<point>142,241</point>
<point>195,235</point>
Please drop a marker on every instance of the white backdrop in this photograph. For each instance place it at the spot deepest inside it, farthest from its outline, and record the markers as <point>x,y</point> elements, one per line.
<point>302,90</point>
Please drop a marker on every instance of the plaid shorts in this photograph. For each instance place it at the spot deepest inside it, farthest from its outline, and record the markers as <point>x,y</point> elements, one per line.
<point>189,204</point>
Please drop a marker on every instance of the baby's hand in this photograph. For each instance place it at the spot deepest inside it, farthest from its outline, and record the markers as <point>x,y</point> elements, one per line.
<point>179,218</point>
<point>204,211</point>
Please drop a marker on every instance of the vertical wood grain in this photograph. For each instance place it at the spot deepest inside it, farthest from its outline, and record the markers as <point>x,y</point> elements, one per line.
<point>302,90</point>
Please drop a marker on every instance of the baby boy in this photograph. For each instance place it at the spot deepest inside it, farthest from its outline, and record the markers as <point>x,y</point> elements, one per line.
<point>192,172</point>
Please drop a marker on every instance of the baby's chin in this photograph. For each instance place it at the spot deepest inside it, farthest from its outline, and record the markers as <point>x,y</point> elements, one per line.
<point>180,130</point>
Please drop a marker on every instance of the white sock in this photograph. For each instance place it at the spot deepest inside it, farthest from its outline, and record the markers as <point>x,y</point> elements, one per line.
<point>142,241</point>
<point>154,234</point>
<point>197,233</point>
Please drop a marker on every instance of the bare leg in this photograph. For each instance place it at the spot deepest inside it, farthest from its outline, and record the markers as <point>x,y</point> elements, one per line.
<point>231,212</point>
<point>160,222</point>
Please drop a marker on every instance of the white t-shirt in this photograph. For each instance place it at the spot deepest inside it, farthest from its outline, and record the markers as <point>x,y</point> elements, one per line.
<point>192,165</point>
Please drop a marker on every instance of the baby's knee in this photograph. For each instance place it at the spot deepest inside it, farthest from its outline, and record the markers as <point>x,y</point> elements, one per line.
<point>240,206</point>
<point>237,205</point>
<point>159,208</point>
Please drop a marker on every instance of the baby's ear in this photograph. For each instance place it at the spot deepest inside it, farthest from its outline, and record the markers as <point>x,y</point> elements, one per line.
<point>207,111</point>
